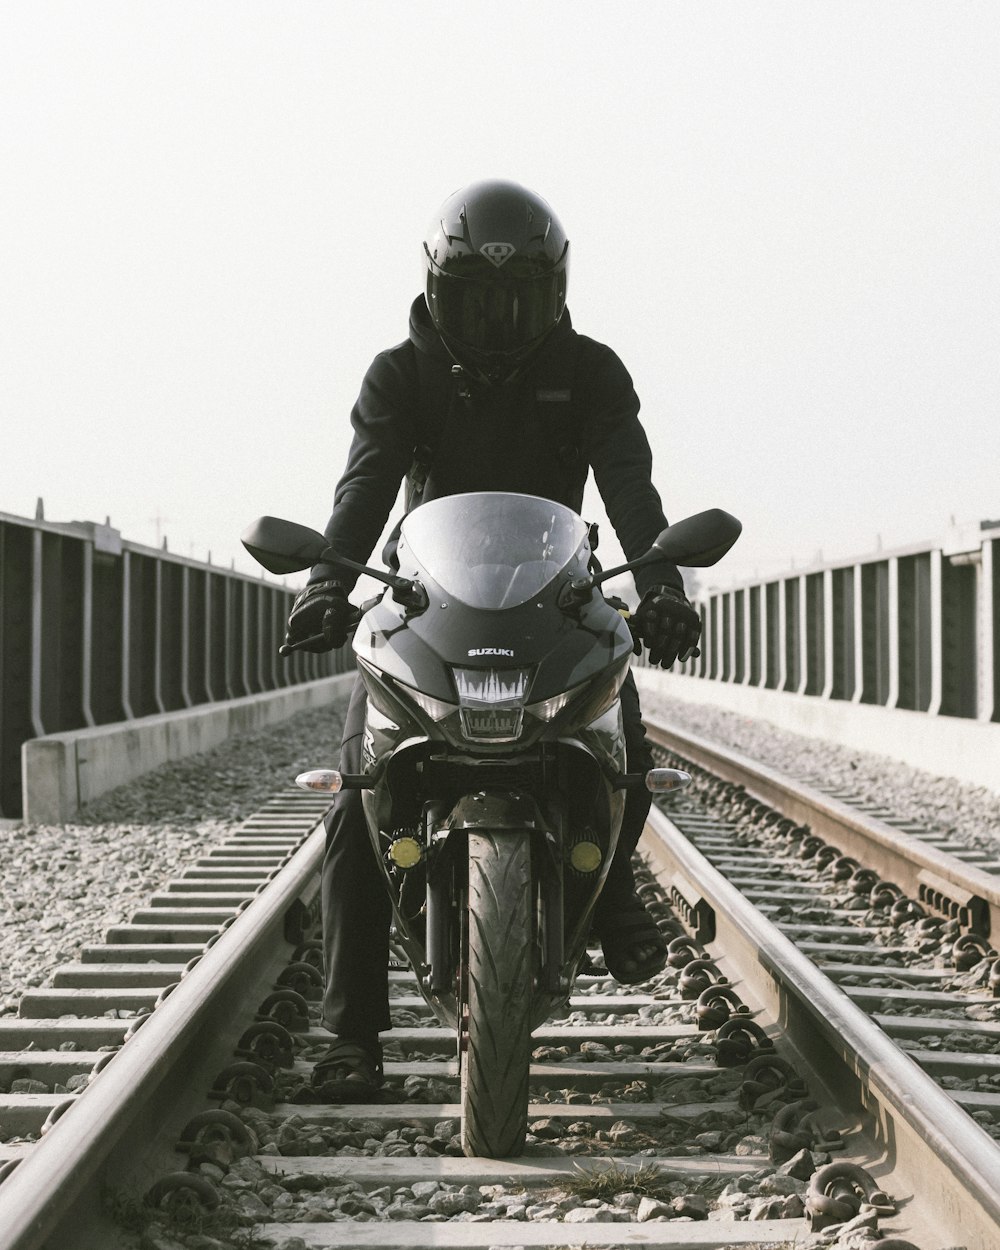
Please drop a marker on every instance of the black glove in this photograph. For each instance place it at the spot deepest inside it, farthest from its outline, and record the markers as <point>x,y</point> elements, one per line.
<point>321,609</point>
<point>668,625</point>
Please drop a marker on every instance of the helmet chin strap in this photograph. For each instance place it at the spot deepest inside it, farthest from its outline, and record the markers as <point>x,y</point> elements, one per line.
<point>486,377</point>
<point>495,376</point>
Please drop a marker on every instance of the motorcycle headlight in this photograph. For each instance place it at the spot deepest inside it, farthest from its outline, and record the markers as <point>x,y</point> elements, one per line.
<point>387,695</point>
<point>491,702</point>
<point>549,709</point>
<point>436,709</point>
<point>594,698</point>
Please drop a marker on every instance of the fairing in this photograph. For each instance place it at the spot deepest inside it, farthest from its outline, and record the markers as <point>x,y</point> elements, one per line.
<point>495,568</point>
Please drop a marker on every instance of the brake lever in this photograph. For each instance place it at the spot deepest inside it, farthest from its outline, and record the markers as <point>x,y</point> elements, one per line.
<point>287,648</point>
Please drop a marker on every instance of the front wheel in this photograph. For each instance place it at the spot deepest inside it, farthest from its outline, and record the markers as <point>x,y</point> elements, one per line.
<point>499,995</point>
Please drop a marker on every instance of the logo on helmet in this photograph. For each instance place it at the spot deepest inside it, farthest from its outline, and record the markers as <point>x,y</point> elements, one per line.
<point>497,253</point>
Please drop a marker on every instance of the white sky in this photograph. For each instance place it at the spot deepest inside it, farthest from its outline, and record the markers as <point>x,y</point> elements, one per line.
<point>783,216</point>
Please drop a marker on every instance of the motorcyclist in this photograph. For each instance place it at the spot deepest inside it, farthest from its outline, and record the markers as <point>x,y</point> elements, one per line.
<point>492,390</point>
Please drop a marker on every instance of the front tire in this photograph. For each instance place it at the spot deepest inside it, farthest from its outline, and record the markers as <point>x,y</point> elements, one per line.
<point>499,996</point>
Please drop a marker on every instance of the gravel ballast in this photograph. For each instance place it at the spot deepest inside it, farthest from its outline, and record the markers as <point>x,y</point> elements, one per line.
<point>970,813</point>
<point>63,886</point>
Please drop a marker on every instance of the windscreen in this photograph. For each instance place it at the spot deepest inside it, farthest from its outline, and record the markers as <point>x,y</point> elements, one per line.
<point>492,550</point>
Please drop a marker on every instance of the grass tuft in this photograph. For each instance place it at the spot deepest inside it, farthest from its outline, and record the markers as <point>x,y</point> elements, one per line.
<point>646,1180</point>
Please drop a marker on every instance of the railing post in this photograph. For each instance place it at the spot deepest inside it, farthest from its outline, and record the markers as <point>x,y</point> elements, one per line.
<point>802,633</point>
<point>758,642</point>
<point>127,635</point>
<point>783,634</point>
<point>728,625</point>
<point>185,674</point>
<point>158,635</point>
<point>768,675</point>
<point>740,636</point>
<point>937,633</point>
<point>859,636</point>
<point>828,626</point>
<point>242,643</point>
<point>87,634</point>
<point>892,690</point>
<point>37,724</point>
<point>988,633</point>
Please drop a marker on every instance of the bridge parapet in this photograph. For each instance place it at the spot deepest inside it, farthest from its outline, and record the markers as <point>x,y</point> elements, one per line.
<point>897,653</point>
<point>916,629</point>
<point>96,630</point>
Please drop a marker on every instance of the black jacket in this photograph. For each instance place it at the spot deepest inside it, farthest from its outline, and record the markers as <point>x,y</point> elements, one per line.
<point>574,408</point>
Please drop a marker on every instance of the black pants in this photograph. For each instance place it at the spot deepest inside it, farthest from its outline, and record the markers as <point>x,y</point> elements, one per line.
<point>356,910</point>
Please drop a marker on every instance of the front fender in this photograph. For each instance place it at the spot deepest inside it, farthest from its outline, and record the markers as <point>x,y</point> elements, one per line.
<point>507,810</point>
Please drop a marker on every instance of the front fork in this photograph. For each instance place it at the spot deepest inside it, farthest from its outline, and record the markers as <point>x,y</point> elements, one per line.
<point>442,895</point>
<point>445,884</point>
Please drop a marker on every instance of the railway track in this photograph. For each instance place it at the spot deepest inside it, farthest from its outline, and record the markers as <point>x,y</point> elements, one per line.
<point>639,1134</point>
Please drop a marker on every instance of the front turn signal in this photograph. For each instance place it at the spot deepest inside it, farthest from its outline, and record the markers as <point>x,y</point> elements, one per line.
<point>663,780</point>
<point>328,780</point>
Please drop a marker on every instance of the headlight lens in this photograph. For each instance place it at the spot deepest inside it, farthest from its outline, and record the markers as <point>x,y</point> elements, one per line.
<point>385,694</point>
<point>595,698</point>
<point>549,709</point>
<point>436,709</point>
<point>491,702</point>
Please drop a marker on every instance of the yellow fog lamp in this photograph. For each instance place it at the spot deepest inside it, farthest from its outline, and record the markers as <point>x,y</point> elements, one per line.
<point>328,780</point>
<point>406,852</point>
<point>663,780</point>
<point>586,856</point>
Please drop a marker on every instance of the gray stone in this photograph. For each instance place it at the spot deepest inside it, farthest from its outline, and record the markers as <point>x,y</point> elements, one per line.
<point>800,1165</point>
<point>445,1203</point>
<point>794,1208</point>
<point>766,1209</point>
<point>653,1209</point>
<point>406,1211</point>
<point>26,1085</point>
<point>543,1211</point>
<point>589,1215</point>
<point>692,1206</point>
<point>424,1189</point>
<point>252,1205</point>
<point>781,1185</point>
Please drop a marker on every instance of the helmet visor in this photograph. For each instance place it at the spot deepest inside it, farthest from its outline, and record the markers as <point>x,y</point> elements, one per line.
<point>496,318</point>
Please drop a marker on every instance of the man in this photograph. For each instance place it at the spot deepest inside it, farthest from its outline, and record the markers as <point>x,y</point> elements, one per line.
<point>493,390</point>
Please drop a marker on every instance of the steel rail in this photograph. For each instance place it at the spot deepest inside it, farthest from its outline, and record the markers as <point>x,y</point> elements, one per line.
<point>46,1200</point>
<point>944,1156</point>
<point>923,872</point>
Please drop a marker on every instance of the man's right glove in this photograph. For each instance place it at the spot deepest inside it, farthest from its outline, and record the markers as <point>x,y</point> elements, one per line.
<point>668,625</point>
<point>321,611</point>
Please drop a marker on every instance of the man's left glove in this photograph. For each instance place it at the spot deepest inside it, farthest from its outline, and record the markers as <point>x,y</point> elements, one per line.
<point>668,625</point>
<point>321,611</point>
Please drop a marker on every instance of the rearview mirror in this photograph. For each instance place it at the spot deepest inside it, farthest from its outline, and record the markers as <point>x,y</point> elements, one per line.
<point>697,541</point>
<point>283,546</point>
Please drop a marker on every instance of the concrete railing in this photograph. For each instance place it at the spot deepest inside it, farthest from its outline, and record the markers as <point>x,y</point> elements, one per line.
<point>912,631</point>
<point>97,631</point>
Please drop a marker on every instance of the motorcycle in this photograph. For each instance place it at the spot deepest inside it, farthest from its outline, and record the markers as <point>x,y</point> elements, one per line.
<point>493,771</point>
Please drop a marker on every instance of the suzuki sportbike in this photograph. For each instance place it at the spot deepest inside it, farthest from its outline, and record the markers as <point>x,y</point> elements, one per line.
<point>493,772</point>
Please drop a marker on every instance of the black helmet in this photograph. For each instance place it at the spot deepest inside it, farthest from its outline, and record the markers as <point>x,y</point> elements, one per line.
<point>497,260</point>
